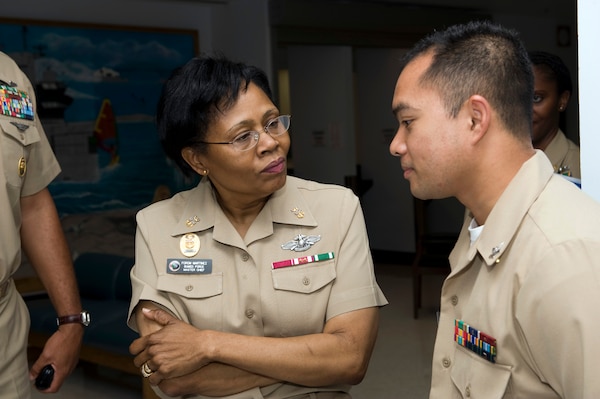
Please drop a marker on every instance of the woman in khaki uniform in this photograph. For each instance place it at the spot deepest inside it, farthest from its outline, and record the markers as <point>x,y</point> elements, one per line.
<point>552,91</point>
<point>254,284</point>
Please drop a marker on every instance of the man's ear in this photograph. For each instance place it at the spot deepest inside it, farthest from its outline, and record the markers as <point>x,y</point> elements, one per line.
<point>194,160</point>
<point>480,112</point>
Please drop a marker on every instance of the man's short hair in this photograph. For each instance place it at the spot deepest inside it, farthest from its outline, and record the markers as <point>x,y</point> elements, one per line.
<point>480,58</point>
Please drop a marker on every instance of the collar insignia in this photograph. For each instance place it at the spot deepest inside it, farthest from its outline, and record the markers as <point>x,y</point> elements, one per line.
<point>298,212</point>
<point>192,221</point>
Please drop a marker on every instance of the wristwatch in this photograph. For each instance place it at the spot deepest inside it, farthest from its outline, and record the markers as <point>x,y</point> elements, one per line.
<point>83,318</point>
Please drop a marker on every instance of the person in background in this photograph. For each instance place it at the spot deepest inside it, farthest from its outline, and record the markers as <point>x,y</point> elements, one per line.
<point>254,284</point>
<point>552,91</point>
<point>518,309</point>
<point>30,223</point>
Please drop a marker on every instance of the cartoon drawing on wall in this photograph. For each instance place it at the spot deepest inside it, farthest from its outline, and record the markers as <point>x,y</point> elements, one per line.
<point>97,88</point>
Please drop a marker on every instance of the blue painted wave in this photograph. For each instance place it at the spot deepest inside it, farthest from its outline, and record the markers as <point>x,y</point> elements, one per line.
<point>130,184</point>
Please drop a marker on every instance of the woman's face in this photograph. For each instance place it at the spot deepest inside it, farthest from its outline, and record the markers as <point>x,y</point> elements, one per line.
<point>547,106</point>
<point>251,175</point>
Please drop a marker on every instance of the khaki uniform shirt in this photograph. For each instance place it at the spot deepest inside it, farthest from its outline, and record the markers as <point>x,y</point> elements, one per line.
<point>562,153</point>
<point>231,284</point>
<point>27,165</point>
<point>531,281</point>
<point>22,142</point>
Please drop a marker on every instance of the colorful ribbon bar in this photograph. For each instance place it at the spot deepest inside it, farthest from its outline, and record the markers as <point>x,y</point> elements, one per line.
<point>482,344</point>
<point>15,103</point>
<point>302,260</point>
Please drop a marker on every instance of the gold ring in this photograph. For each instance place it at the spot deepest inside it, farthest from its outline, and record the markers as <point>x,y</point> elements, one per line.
<point>146,370</point>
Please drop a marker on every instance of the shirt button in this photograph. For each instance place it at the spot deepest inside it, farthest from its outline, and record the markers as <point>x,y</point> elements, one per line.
<point>249,313</point>
<point>305,281</point>
<point>245,256</point>
<point>468,391</point>
<point>446,362</point>
<point>189,287</point>
<point>454,300</point>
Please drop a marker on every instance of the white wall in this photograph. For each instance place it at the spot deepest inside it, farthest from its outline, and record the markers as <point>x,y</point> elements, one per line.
<point>388,204</point>
<point>589,80</point>
<point>322,103</point>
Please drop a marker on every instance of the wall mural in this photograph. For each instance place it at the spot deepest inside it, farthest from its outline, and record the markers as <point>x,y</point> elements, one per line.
<point>97,89</point>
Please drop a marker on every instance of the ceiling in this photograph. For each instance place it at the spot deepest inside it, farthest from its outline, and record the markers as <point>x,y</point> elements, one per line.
<point>564,8</point>
<point>520,7</point>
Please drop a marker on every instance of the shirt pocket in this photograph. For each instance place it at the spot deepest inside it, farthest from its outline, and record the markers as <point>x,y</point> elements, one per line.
<point>197,298</point>
<point>302,296</point>
<point>15,147</point>
<point>304,278</point>
<point>477,377</point>
<point>192,286</point>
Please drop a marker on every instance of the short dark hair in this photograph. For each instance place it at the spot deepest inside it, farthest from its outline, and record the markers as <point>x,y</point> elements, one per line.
<point>194,95</point>
<point>556,69</point>
<point>483,58</point>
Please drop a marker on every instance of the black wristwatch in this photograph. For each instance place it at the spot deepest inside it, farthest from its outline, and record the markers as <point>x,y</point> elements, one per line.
<point>83,318</point>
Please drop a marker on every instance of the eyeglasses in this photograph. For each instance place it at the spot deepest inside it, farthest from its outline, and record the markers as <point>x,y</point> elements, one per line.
<point>247,140</point>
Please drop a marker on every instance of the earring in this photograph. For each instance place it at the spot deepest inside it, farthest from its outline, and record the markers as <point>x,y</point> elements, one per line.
<point>561,108</point>
<point>205,172</point>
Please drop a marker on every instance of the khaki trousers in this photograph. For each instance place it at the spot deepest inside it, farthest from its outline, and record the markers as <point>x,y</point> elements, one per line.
<point>14,330</point>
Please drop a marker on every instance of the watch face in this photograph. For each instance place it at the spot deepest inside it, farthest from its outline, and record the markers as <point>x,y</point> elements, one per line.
<point>85,318</point>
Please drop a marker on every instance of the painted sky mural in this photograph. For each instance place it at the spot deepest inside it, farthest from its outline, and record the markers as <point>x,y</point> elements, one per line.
<point>97,89</point>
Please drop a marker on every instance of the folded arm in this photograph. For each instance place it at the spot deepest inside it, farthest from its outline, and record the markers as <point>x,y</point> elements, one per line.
<point>338,355</point>
<point>213,379</point>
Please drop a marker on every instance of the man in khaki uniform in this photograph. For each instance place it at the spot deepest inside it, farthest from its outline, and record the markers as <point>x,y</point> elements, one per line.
<point>519,309</point>
<point>29,221</point>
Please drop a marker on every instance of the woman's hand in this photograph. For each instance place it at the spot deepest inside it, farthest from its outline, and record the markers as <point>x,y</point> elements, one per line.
<point>174,350</point>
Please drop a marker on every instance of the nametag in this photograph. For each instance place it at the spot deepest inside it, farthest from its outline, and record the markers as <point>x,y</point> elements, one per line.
<point>189,266</point>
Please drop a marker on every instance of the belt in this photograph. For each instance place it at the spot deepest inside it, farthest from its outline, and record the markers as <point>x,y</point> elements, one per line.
<point>4,287</point>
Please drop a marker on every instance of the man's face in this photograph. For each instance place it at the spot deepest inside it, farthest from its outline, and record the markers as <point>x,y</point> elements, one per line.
<point>428,140</point>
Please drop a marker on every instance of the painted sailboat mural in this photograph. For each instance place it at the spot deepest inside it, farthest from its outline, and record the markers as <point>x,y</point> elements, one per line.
<point>97,89</point>
<point>105,132</point>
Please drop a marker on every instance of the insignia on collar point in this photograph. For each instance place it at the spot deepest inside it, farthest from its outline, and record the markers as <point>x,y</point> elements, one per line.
<point>496,250</point>
<point>192,221</point>
<point>298,212</point>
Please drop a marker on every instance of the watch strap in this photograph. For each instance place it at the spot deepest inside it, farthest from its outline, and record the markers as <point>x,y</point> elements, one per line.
<point>82,318</point>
